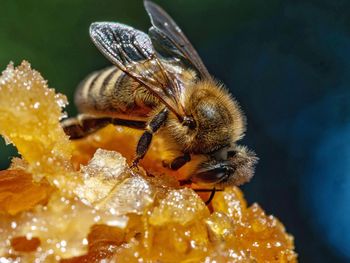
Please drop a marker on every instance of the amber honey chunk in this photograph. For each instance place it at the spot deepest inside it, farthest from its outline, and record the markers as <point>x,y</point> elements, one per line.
<point>69,201</point>
<point>102,234</point>
<point>18,192</point>
<point>22,244</point>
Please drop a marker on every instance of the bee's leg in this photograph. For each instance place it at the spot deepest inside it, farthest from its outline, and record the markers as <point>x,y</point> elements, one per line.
<point>185,182</point>
<point>84,125</point>
<point>178,162</point>
<point>211,196</point>
<point>201,190</point>
<point>146,138</point>
<point>140,125</point>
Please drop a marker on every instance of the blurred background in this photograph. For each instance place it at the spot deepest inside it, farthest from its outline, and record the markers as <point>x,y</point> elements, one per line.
<point>287,63</point>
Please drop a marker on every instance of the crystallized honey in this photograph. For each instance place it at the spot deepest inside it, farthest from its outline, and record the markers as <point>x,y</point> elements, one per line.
<point>80,201</point>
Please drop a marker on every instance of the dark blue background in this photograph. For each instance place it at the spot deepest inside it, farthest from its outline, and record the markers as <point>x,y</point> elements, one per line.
<point>287,63</point>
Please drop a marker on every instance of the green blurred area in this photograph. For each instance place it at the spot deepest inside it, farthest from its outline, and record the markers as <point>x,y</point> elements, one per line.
<point>53,35</point>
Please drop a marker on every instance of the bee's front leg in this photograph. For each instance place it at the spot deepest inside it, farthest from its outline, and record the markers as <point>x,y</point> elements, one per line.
<point>146,138</point>
<point>178,162</point>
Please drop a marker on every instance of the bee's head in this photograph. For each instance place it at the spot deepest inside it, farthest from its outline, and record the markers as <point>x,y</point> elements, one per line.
<point>236,169</point>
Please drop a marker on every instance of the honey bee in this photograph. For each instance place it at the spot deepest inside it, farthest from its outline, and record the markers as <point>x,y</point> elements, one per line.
<point>159,84</point>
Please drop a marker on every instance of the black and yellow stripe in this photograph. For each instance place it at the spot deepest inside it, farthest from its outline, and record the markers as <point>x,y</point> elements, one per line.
<point>94,94</point>
<point>112,92</point>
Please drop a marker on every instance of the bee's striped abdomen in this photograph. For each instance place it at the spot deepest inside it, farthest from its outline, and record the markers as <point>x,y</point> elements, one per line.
<point>111,92</point>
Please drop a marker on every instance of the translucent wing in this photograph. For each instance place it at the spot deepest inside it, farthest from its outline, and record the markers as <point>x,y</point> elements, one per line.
<point>132,51</point>
<point>169,40</point>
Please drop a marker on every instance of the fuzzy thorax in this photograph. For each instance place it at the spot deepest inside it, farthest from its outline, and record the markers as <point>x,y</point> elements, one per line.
<point>219,121</point>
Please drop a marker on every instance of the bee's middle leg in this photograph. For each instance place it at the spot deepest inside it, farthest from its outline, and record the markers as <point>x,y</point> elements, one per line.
<point>146,138</point>
<point>83,125</point>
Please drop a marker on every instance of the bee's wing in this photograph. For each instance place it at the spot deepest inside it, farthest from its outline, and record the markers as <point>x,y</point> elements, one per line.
<point>132,51</point>
<point>169,40</point>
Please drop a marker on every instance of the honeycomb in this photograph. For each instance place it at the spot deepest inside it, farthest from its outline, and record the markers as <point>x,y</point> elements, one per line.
<point>79,201</point>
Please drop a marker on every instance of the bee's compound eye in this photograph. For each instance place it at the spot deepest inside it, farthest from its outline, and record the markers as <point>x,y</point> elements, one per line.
<point>211,176</point>
<point>231,154</point>
<point>189,122</point>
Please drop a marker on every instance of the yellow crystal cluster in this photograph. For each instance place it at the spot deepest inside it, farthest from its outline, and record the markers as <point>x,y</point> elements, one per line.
<point>79,201</point>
